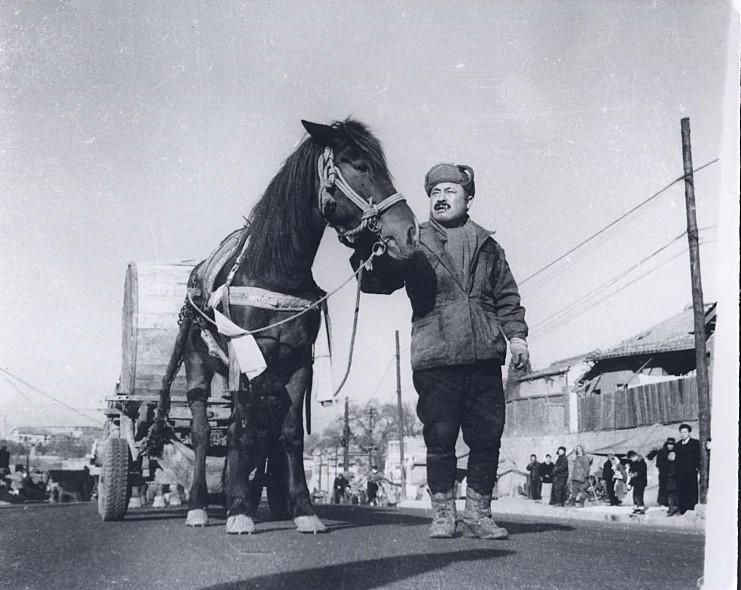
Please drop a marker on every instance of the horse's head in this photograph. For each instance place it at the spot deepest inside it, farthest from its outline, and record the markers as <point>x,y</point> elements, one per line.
<point>356,194</point>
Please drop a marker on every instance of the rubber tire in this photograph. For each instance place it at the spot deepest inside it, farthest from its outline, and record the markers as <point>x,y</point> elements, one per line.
<point>113,485</point>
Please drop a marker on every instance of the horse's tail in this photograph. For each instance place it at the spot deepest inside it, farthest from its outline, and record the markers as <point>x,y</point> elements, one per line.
<point>159,432</point>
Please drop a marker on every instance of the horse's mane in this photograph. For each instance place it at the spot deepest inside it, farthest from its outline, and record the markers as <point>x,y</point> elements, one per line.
<point>279,221</point>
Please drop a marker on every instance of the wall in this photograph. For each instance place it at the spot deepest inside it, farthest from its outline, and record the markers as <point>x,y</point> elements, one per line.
<point>537,415</point>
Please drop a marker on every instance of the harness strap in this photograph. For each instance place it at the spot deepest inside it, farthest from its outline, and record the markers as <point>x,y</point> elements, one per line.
<point>331,177</point>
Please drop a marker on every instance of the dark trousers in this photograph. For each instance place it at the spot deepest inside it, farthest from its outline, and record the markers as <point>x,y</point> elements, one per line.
<point>610,489</point>
<point>638,496</point>
<point>559,492</point>
<point>467,398</point>
<point>535,488</point>
<point>687,492</point>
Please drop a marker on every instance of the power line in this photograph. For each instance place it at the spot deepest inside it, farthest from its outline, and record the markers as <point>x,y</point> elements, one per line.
<point>574,304</point>
<point>37,390</point>
<point>614,222</point>
<point>566,320</point>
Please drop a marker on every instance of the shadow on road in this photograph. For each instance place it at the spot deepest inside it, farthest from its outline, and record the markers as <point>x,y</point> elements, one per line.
<point>362,575</point>
<point>337,518</point>
<point>355,517</point>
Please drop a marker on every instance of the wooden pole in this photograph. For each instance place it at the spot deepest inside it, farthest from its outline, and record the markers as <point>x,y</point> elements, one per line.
<point>400,409</point>
<point>698,305</point>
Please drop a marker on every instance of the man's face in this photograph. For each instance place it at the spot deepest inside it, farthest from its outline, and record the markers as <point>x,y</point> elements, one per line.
<point>449,203</point>
<point>532,458</point>
<point>684,433</point>
<point>548,459</point>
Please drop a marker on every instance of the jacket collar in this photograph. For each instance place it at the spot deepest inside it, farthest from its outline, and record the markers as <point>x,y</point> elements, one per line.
<point>434,240</point>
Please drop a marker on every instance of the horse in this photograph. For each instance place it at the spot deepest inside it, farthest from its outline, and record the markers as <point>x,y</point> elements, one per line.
<point>338,176</point>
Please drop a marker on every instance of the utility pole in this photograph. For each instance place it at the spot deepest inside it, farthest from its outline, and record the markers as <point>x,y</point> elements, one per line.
<point>698,305</point>
<point>346,437</point>
<point>401,421</point>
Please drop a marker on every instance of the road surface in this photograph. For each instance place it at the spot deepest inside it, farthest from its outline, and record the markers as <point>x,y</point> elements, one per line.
<point>64,547</point>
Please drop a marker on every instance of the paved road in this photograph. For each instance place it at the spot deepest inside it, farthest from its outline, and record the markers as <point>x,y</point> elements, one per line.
<point>67,547</point>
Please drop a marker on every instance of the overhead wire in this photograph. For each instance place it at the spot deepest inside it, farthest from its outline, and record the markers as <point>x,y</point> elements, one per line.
<point>565,320</point>
<point>613,223</point>
<point>48,395</point>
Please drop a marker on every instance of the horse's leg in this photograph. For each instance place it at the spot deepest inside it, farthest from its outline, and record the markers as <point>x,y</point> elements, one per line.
<point>240,462</point>
<point>198,377</point>
<point>277,482</point>
<point>292,434</point>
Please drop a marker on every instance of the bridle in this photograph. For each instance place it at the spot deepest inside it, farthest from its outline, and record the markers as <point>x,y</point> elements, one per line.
<point>330,178</point>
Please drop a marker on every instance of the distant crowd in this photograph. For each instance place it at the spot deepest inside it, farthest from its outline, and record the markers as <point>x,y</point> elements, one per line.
<point>678,465</point>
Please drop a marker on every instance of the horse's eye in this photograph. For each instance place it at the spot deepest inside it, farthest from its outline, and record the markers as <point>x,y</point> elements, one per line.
<point>363,168</point>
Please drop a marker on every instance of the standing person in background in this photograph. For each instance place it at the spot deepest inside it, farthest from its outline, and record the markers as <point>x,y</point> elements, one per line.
<point>465,307</point>
<point>340,485</point>
<point>687,466</point>
<point>546,475</point>
<point>534,478</point>
<point>638,480</point>
<point>608,477</point>
<point>580,477</point>
<point>372,488</point>
<point>4,460</point>
<point>560,478</point>
<point>620,478</point>
<point>662,465</point>
<point>670,484</point>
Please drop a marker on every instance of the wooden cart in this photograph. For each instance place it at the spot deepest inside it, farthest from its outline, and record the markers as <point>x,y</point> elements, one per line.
<point>154,294</point>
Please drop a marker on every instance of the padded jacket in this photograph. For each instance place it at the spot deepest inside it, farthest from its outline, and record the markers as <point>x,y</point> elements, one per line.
<point>453,323</point>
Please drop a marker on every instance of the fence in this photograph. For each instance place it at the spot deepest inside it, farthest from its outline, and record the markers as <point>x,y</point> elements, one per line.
<point>664,403</point>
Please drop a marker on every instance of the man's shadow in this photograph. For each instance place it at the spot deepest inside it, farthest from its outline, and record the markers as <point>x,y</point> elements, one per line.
<point>362,575</point>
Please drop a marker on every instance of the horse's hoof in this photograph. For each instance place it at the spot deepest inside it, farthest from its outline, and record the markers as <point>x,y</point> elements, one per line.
<point>309,524</point>
<point>135,503</point>
<point>240,524</point>
<point>175,501</point>
<point>158,502</point>
<point>197,517</point>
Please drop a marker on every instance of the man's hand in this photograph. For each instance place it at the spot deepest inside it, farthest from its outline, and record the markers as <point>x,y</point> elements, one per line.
<point>520,354</point>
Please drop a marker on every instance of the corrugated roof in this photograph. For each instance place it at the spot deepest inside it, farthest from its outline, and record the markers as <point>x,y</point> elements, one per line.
<point>674,334</point>
<point>556,368</point>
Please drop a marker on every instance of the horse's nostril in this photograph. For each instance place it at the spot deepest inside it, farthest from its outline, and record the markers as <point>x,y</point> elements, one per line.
<point>412,236</point>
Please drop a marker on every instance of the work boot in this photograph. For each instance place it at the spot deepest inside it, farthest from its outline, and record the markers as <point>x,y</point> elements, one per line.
<point>477,521</point>
<point>443,515</point>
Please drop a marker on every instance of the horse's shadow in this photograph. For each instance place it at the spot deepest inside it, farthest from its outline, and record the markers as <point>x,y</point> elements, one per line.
<point>364,574</point>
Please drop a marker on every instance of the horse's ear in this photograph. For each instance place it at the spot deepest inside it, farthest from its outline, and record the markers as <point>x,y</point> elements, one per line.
<point>323,135</point>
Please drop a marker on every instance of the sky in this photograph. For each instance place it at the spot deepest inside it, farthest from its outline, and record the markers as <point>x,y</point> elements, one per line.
<point>137,131</point>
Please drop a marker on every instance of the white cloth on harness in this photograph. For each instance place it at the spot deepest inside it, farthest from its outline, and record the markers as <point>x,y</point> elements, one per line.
<point>249,356</point>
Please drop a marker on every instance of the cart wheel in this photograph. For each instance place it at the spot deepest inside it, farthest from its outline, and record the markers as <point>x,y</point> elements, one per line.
<point>113,484</point>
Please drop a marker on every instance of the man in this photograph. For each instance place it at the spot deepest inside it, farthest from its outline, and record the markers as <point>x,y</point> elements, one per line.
<point>339,486</point>
<point>4,460</point>
<point>662,465</point>
<point>580,477</point>
<point>608,475</point>
<point>372,487</point>
<point>546,475</point>
<point>534,478</point>
<point>638,480</point>
<point>465,306</point>
<point>687,467</point>
<point>560,478</point>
